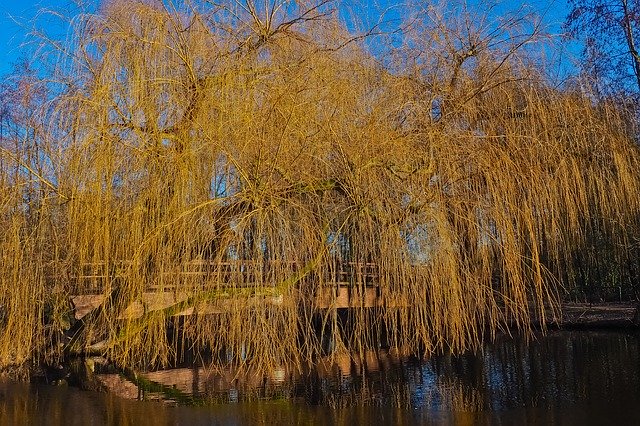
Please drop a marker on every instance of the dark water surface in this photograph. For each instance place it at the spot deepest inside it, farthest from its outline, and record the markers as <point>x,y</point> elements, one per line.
<point>565,377</point>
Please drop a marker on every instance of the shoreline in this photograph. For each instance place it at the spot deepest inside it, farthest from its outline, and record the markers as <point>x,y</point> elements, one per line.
<point>581,316</point>
<point>584,315</point>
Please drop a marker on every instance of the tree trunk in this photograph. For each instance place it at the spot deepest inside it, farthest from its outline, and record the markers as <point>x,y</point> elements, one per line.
<point>631,44</point>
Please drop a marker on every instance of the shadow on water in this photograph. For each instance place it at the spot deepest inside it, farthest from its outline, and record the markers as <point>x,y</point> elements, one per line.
<point>565,377</point>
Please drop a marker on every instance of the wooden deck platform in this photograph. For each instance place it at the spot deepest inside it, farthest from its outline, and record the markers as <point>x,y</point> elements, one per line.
<point>339,297</point>
<point>353,285</point>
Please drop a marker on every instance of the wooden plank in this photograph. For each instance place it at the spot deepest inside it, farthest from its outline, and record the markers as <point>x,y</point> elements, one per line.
<point>161,300</point>
<point>338,295</point>
<point>347,297</point>
<point>85,303</point>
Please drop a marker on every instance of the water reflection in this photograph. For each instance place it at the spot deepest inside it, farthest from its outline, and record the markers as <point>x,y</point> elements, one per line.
<point>564,377</point>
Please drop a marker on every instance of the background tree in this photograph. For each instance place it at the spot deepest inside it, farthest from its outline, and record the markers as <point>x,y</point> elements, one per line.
<point>611,31</point>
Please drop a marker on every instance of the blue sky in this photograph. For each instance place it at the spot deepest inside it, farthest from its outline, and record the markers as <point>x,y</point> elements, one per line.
<point>15,22</point>
<point>16,16</point>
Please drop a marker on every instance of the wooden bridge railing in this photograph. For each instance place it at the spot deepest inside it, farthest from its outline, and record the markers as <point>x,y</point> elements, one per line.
<point>94,276</point>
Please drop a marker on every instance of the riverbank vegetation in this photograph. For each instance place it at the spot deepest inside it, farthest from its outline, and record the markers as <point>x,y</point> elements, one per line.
<point>276,149</point>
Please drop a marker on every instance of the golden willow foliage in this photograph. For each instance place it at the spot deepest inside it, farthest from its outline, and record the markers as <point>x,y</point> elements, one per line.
<point>229,132</point>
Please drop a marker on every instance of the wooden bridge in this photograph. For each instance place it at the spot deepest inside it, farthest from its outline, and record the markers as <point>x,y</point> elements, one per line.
<point>349,285</point>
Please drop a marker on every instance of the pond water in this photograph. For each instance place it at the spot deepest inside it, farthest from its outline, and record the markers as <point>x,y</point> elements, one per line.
<point>564,377</point>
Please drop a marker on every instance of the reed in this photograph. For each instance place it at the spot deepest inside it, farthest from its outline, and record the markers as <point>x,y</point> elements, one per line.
<point>274,140</point>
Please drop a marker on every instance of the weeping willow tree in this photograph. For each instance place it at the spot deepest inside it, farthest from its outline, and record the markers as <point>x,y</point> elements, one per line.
<point>268,143</point>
